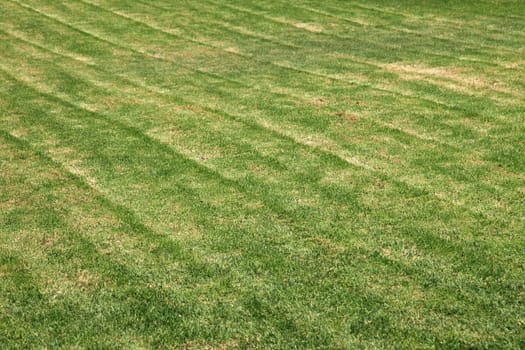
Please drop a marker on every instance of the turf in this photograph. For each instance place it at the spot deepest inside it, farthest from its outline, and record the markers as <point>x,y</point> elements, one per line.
<point>262,174</point>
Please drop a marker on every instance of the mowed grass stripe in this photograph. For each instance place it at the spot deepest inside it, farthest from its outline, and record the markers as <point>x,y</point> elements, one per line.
<point>356,38</point>
<point>89,273</point>
<point>375,64</point>
<point>411,24</point>
<point>197,19</point>
<point>281,65</point>
<point>387,27</point>
<point>98,79</point>
<point>331,77</point>
<point>481,21</point>
<point>328,28</point>
<point>370,39</point>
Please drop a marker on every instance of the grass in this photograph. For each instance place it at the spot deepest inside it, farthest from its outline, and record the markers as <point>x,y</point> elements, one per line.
<point>267,174</point>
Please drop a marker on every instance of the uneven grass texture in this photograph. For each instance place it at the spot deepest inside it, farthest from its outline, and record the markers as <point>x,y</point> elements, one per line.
<point>262,174</point>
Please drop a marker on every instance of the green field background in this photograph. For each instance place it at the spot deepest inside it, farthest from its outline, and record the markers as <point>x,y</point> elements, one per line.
<point>262,174</point>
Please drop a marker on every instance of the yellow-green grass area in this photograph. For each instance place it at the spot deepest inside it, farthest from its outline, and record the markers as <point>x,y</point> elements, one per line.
<point>262,174</point>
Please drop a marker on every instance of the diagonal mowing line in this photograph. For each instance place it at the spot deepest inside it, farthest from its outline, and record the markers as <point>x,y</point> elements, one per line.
<point>416,33</point>
<point>132,274</point>
<point>437,54</point>
<point>285,66</point>
<point>301,71</point>
<point>131,277</point>
<point>227,27</point>
<point>142,230</point>
<point>197,165</point>
<point>287,23</point>
<point>141,135</point>
<point>266,124</point>
<point>279,131</point>
<point>389,11</point>
<point>275,130</point>
<point>137,227</point>
<point>376,65</point>
<point>120,46</point>
<point>386,125</point>
<point>112,43</point>
<point>357,24</point>
<point>162,91</point>
<point>146,54</point>
<point>351,58</point>
<point>150,140</point>
<point>410,269</point>
<point>213,172</point>
<point>264,128</point>
<point>254,58</point>
<point>96,37</point>
<point>403,14</point>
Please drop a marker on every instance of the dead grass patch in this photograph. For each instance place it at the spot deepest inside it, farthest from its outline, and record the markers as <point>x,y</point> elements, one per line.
<point>458,78</point>
<point>232,49</point>
<point>311,27</point>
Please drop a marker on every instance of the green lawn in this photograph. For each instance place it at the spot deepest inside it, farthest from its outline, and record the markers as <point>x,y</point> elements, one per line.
<point>262,174</point>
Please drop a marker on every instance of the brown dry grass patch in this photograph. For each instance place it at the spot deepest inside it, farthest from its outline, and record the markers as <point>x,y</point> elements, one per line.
<point>311,27</point>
